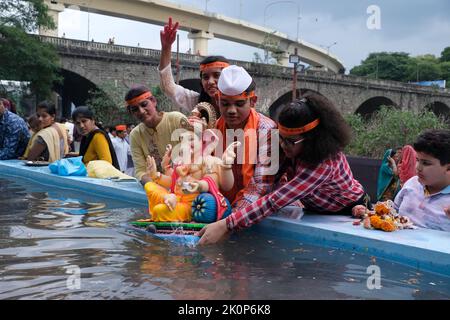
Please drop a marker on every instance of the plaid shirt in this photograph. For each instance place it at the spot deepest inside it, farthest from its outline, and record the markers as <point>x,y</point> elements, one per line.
<point>328,187</point>
<point>261,182</point>
<point>14,136</point>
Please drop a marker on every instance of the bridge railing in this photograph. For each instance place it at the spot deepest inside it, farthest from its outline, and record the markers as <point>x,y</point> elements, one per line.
<point>252,67</point>
<point>113,48</point>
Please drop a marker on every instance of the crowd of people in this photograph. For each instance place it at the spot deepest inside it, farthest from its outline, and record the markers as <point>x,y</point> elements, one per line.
<point>312,170</point>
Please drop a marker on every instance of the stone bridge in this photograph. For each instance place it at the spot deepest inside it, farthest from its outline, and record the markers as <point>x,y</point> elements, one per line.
<point>87,65</point>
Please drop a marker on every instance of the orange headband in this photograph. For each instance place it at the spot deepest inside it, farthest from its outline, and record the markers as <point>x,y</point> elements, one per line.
<point>243,95</point>
<point>216,64</point>
<point>296,131</point>
<point>140,98</point>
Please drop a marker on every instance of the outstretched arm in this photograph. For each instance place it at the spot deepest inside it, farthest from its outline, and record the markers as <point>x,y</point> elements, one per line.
<point>168,36</point>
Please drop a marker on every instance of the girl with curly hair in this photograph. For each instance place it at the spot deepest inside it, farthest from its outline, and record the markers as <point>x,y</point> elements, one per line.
<point>312,135</point>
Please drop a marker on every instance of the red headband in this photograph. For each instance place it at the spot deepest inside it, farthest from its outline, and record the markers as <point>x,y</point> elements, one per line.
<point>139,98</point>
<point>243,95</point>
<point>216,64</point>
<point>296,131</point>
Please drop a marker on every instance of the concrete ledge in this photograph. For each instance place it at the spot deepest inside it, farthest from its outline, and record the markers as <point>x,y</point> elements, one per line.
<point>131,192</point>
<point>428,250</point>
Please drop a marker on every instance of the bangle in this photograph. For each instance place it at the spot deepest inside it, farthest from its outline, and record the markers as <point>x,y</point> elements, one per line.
<point>226,166</point>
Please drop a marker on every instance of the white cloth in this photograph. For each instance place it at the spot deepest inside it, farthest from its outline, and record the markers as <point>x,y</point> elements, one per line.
<point>234,80</point>
<point>184,99</point>
<point>122,149</point>
<point>111,137</point>
<point>425,211</point>
<point>70,126</point>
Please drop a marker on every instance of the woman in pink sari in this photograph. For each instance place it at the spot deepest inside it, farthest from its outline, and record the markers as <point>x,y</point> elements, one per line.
<point>407,166</point>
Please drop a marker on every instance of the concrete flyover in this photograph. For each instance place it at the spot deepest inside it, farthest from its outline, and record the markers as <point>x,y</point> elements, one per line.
<point>202,26</point>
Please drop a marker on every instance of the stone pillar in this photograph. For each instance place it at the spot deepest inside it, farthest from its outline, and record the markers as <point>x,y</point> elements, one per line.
<point>54,9</point>
<point>285,60</point>
<point>200,41</point>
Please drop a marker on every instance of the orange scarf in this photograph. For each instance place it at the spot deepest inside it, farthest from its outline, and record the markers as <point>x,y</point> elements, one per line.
<point>247,166</point>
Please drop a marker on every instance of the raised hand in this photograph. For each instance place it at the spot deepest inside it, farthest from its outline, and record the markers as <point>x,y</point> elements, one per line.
<point>229,155</point>
<point>151,167</point>
<point>168,34</point>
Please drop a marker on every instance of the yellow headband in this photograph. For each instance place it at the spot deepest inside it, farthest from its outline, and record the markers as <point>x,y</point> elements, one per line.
<point>296,131</point>
<point>139,98</point>
<point>216,64</point>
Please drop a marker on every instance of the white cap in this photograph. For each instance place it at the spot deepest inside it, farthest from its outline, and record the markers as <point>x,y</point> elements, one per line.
<point>234,80</point>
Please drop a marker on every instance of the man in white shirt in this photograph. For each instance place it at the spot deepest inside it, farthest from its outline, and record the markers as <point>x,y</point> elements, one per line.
<point>121,147</point>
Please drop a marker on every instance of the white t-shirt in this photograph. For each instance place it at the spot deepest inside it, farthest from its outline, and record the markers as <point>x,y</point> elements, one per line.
<point>122,149</point>
<point>426,211</point>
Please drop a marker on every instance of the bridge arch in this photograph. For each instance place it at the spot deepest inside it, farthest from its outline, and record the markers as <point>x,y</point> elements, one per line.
<point>74,89</point>
<point>440,109</point>
<point>372,105</point>
<point>275,107</point>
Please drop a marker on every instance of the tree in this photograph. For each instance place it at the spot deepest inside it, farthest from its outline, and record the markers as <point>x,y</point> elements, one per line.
<point>108,105</point>
<point>445,55</point>
<point>384,65</point>
<point>24,57</point>
<point>445,72</point>
<point>272,52</point>
<point>424,68</point>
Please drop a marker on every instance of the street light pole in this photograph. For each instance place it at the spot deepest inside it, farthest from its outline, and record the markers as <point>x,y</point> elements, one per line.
<point>328,51</point>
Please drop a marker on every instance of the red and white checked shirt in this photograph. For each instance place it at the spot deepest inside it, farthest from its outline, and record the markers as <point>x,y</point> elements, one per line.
<point>328,187</point>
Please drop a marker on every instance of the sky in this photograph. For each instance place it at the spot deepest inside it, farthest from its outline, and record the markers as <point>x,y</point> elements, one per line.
<point>412,26</point>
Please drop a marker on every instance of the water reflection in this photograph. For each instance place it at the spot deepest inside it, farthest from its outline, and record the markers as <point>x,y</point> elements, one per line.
<point>43,235</point>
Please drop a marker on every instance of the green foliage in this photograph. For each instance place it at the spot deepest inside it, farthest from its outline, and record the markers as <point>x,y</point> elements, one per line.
<point>445,55</point>
<point>23,57</point>
<point>399,66</point>
<point>272,52</point>
<point>384,65</point>
<point>25,15</point>
<point>107,103</point>
<point>163,103</point>
<point>445,71</point>
<point>388,128</point>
